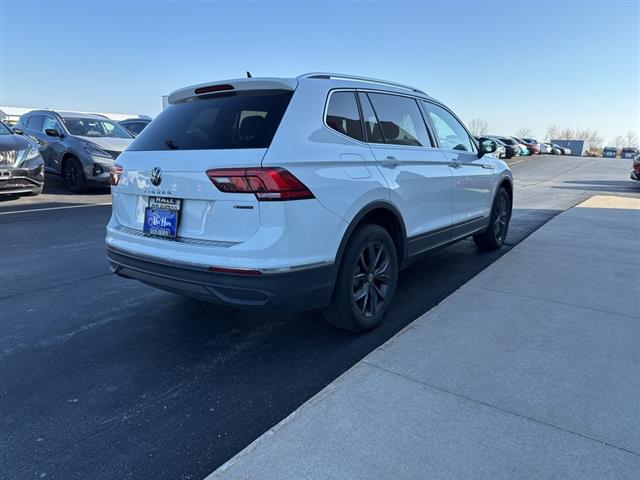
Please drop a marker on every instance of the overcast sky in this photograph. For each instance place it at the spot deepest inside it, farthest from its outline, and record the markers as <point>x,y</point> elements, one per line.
<point>514,64</point>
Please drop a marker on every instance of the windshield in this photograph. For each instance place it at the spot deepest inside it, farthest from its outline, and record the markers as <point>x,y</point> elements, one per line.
<point>4,130</point>
<point>92,127</point>
<point>507,141</point>
<point>244,119</point>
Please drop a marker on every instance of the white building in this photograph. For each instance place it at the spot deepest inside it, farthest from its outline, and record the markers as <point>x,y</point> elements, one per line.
<point>10,115</point>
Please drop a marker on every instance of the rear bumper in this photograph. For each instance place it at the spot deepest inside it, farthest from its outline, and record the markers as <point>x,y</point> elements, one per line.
<point>299,289</point>
<point>21,180</point>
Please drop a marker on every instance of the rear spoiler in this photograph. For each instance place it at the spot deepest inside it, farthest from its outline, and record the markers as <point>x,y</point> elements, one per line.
<point>229,85</point>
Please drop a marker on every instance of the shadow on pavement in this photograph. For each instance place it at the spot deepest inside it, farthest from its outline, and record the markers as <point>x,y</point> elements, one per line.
<point>604,186</point>
<point>55,194</point>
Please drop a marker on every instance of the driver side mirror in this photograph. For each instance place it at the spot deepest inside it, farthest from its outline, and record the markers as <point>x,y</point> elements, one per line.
<point>487,146</point>
<point>52,132</point>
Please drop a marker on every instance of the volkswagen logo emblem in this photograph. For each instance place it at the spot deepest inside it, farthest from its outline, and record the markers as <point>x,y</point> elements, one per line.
<point>156,176</point>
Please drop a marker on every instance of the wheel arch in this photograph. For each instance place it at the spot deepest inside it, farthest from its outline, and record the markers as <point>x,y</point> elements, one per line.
<point>507,184</point>
<point>381,213</point>
<point>65,158</point>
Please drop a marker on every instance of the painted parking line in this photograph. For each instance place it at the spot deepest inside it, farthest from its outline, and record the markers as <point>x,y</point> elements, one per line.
<point>55,208</point>
<point>515,163</point>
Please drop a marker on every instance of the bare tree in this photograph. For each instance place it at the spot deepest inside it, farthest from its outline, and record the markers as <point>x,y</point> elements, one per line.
<point>631,139</point>
<point>478,127</point>
<point>567,134</point>
<point>618,142</point>
<point>592,137</point>
<point>552,133</point>
<point>523,132</point>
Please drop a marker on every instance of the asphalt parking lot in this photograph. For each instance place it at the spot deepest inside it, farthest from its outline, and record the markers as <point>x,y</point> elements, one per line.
<point>108,378</point>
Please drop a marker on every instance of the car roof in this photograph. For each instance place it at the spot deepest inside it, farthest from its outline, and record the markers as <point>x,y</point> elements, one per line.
<point>135,119</point>
<point>336,81</point>
<point>65,114</point>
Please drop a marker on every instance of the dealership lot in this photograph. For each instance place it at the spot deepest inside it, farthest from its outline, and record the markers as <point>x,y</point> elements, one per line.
<point>108,378</point>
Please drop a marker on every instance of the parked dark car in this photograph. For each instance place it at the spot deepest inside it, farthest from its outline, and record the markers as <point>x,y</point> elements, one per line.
<point>635,169</point>
<point>135,125</point>
<point>500,151</point>
<point>610,152</point>
<point>511,146</point>
<point>81,147</point>
<point>21,165</point>
<point>629,152</point>
<point>562,150</point>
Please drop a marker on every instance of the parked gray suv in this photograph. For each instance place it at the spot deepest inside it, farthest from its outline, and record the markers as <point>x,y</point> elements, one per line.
<point>79,146</point>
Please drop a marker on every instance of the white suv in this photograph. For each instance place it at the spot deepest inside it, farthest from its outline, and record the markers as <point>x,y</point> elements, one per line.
<point>301,193</point>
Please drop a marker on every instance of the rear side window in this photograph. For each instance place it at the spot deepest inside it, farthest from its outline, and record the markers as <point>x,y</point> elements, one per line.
<point>400,120</point>
<point>35,122</point>
<point>134,127</point>
<point>450,132</point>
<point>243,119</point>
<point>343,115</point>
<point>371,125</point>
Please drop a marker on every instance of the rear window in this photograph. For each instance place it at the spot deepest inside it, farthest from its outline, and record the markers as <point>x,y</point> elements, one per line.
<point>243,119</point>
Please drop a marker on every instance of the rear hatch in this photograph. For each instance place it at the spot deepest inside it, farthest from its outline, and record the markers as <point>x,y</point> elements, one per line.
<point>204,128</point>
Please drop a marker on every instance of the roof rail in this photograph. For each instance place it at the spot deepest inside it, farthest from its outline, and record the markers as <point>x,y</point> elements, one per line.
<point>325,75</point>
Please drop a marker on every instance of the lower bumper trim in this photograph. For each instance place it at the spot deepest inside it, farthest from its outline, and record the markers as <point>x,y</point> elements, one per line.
<point>306,289</point>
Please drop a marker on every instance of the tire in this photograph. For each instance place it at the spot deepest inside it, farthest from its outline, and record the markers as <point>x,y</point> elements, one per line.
<point>74,176</point>
<point>493,238</point>
<point>366,281</point>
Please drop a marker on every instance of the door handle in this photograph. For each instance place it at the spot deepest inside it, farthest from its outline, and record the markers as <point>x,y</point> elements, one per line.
<point>455,165</point>
<point>390,162</point>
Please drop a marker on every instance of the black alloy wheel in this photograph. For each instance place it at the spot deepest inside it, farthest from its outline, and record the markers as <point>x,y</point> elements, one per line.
<point>366,280</point>
<point>370,279</point>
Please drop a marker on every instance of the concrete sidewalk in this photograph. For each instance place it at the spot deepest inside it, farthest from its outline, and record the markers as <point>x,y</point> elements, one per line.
<point>529,371</point>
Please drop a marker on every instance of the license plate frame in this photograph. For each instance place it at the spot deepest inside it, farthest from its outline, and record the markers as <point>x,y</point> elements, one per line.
<point>162,217</point>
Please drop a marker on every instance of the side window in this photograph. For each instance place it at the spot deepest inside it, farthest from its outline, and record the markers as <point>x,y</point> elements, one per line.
<point>134,127</point>
<point>50,122</point>
<point>450,132</point>
<point>343,115</point>
<point>35,122</point>
<point>22,122</point>
<point>400,120</point>
<point>371,125</point>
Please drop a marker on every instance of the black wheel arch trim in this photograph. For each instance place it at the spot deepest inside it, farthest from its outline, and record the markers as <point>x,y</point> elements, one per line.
<point>355,222</point>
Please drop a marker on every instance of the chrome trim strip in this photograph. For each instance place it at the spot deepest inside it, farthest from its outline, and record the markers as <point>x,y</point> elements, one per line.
<point>188,241</point>
<point>205,268</point>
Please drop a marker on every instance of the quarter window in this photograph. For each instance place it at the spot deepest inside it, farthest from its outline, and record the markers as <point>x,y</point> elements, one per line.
<point>449,130</point>
<point>343,115</point>
<point>400,120</point>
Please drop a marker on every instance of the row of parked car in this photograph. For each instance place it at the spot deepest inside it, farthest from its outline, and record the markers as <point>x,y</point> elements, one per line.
<point>626,152</point>
<point>509,147</point>
<point>80,147</point>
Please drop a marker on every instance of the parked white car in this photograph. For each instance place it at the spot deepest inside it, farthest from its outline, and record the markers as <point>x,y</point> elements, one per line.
<point>545,148</point>
<point>301,193</point>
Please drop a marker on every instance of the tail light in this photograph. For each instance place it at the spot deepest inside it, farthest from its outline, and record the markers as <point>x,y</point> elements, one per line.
<point>114,173</point>
<point>267,184</point>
